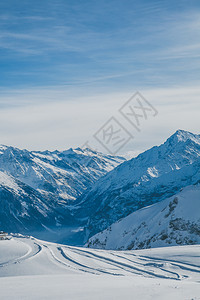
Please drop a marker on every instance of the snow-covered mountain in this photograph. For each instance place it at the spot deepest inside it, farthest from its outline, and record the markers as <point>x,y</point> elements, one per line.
<point>173,221</point>
<point>63,174</point>
<point>37,188</point>
<point>149,178</point>
<point>81,192</point>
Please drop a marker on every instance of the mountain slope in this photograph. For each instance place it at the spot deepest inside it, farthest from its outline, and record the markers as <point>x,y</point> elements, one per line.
<point>63,174</point>
<point>174,221</point>
<point>151,177</point>
<point>37,188</point>
<point>24,209</point>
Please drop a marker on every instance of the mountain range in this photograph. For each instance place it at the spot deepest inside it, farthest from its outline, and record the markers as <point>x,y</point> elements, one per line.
<point>38,188</point>
<point>78,195</point>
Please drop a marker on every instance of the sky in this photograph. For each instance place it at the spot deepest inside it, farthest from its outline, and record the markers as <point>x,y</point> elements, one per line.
<point>67,67</point>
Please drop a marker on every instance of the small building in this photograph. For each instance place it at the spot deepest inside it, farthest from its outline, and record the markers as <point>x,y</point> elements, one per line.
<point>3,235</point>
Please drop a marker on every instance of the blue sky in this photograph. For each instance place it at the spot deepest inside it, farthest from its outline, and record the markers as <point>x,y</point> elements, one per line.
<point>65,50</point>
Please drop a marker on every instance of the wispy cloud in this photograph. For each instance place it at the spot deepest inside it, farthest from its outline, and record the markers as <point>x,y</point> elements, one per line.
<point>56,118</point>
<point>57,55</point>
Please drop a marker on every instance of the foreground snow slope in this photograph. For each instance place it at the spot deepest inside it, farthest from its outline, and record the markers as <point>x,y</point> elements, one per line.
<point>173,221</point>
<point>33,269</point>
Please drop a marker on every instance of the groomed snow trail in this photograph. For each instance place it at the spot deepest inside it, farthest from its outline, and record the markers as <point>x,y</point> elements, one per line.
<point>153,263</point>
<point>160,273</point>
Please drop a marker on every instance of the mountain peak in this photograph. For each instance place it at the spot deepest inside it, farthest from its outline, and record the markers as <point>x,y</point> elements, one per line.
<point>183,135</point>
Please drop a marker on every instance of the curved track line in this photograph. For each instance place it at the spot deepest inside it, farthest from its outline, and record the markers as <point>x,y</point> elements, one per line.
<point>85,266</point>
<point>181,265</point>
<point>156,266</point>
<point>101,260</point>
<point>64,264</point>
<point>23,257</point>
<point>127,267</point>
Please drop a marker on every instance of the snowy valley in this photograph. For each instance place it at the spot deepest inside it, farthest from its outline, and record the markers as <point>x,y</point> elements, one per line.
<point>37,189</point>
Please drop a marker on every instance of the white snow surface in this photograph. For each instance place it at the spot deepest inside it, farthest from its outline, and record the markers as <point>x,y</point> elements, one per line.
<point>34,269</point>
<point>173,221</point>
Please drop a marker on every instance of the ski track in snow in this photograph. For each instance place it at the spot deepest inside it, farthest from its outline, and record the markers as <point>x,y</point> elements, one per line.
<point>83,260</point>
<point>32,251</point>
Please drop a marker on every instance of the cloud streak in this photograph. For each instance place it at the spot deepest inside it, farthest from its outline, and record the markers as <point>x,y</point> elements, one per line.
<point>60,59</point>
<point>47,123</point>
